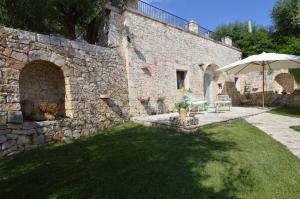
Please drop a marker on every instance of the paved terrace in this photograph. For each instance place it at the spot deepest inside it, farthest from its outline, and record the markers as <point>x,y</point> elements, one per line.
<point>278,127</point>
<point>205,118</point>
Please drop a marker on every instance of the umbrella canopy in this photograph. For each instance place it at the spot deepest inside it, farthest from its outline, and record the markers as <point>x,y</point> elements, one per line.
<point>271,61</point>
<point>262,62</point>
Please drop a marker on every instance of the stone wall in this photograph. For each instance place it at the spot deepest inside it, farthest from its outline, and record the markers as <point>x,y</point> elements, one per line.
<point>155,50</point>
<point>89,80</point>
<point>280,88</point>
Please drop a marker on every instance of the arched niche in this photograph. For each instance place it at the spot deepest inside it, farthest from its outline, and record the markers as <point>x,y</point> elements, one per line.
<point>286,82</point>
<point>42,82</point>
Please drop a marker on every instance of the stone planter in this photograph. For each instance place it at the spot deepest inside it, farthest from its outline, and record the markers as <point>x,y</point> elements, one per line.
<point>182,116</point>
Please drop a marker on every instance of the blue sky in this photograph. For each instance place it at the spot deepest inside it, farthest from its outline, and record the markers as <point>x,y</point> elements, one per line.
<point>210,13</point>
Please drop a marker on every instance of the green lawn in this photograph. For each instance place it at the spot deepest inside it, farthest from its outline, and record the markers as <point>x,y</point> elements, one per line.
<point>296,128</point>
<point>130,161</point>
<point>288,111</point>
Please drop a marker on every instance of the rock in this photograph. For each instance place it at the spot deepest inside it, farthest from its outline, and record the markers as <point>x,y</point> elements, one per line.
<point>3,118</point>
<point>5,131</point>
<point>13,98</point>
<point>68,133</point>
<point>8,144</point>
<point>11,136</point>
<point>23,140</point>
<point>43,38</point>
<point>38,55</point>
<point>15,117</point>
<point>77,134</point>
<point>19,56</point>
<point>2,139</point>
<point>38,140</point>
<point>57,59</point>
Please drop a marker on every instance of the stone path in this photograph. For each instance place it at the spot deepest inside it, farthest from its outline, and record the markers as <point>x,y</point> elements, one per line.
<point>278,127</point>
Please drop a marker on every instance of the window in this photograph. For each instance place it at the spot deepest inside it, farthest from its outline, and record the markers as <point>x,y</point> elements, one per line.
<point>180,79</point>
<point>236,79</point>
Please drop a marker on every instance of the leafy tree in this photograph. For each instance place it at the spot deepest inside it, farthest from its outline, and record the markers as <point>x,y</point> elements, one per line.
<point>66,17</point>
<point>250,43</point>
<point>286,17</point>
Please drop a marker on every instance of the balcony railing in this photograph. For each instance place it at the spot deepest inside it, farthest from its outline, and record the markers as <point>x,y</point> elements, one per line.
<point>170,18</point>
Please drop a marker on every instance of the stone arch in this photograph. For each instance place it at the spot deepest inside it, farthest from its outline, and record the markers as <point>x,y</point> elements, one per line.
<point>210,84</point>
<point>286,81</point>
<point>41,82</point>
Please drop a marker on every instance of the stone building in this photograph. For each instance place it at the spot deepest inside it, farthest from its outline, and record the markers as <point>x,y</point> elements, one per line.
<point>86,88</point>
<point>160,52</point>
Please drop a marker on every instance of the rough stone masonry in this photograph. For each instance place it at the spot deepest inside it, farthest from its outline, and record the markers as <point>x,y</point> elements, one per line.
<point>88,81</point>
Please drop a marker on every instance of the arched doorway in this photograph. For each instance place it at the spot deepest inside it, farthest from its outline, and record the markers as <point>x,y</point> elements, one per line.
<point>286,81</point>
<point>42,84</point>
<point>208,83</point>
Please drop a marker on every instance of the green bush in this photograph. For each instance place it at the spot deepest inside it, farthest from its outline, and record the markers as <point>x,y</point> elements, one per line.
<point>296,74</point>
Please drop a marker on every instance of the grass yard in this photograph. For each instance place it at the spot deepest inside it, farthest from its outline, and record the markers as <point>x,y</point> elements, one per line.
<point>131,161</point>
<point>296,128</point>
<point>287,111</point>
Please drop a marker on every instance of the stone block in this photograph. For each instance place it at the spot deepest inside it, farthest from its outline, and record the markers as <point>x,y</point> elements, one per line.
<point>8,144</point>
<point>3,118</point>
<point>7,52</point>
<point>54,40</point>
<point>19,56</point>
<point>5,131</point>
<point>3,139</point>
<point>57,59</point>
<point>15,117</point>
<point>68,133</point>
<point>43,38</point>
<point>13,98</point>
<point>24,140</point>
<point>24,35</point>
<point>11,136</point>
<point>39,55</point>
<point>10,73</point>
<point>38,140</point>
<point>14,126</point>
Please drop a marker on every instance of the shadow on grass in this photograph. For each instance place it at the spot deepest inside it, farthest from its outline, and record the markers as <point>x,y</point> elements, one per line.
<point>287,111</point>
<point>129,161</point>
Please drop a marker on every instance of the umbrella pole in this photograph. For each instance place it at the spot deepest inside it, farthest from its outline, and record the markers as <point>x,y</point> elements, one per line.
<point>263,93</point>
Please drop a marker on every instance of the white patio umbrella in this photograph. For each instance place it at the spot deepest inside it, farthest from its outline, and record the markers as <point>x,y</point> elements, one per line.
<point>261,63</point>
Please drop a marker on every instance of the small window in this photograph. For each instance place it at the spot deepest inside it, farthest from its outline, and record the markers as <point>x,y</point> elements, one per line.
<point>236,79</point>
<point>181,79</point>
<point>220,86</point>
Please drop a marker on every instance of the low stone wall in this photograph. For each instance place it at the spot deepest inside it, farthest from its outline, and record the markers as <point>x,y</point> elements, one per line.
<point>94,91</point>
<point>272,99</point>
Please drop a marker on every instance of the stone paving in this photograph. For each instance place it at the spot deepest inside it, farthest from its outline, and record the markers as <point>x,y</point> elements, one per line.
<point>278,127</point>
<point>205,118</point>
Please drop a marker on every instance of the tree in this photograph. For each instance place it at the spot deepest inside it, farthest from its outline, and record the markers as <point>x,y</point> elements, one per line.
<point>250,43</point>
<point>66,17</point>
<point>286,17</point>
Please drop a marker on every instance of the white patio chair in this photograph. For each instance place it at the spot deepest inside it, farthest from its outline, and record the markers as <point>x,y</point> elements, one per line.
<point>222,101</point>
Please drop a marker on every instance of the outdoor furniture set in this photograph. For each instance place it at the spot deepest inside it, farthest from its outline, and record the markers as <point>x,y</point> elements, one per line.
<point>202,104</point>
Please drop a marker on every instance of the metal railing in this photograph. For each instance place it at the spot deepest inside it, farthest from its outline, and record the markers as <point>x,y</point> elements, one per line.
<point>172,19</point>
<point>160,14</point>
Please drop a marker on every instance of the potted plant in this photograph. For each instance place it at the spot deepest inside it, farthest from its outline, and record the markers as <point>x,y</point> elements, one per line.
<point>181,107</point>
<point>49,110</point>
<point>144,100</point>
